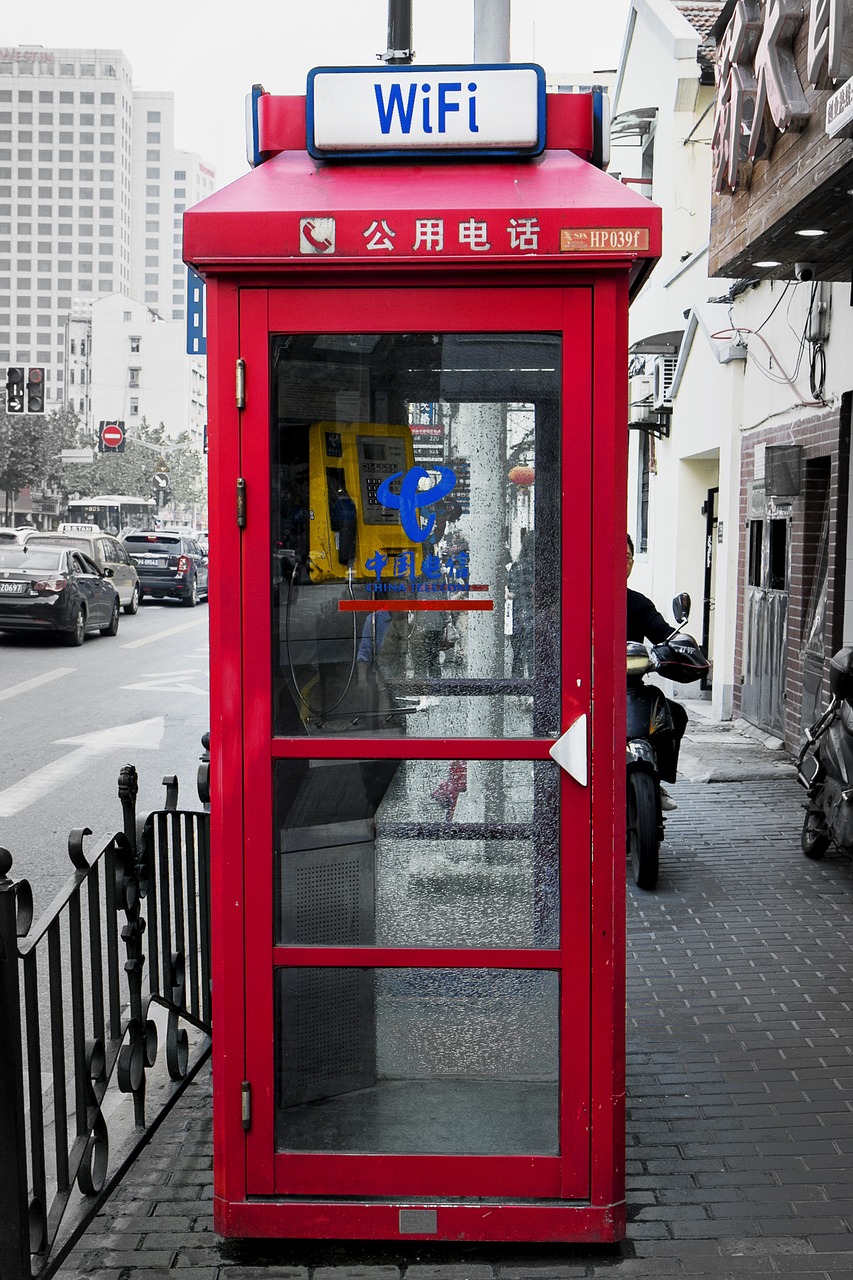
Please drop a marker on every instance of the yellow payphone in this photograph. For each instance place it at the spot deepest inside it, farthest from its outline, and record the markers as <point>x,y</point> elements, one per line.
<point>348,525</point>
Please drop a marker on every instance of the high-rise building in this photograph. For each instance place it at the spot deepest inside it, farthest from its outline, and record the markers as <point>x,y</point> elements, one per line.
<point>91,195</point>
<point>164,183</point>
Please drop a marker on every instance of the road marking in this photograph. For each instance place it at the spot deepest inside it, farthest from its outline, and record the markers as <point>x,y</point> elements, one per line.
<point>161,635</point>
<point>144,735</point>
<point>170,682</point>
<point>26,685</point>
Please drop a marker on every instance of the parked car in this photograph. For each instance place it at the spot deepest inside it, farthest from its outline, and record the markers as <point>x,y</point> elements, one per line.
<point>51,588</point>
<point>168,564</point>
<point>105,550</point>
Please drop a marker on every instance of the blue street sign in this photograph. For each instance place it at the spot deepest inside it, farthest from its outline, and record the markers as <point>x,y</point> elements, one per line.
<point>196,316</point>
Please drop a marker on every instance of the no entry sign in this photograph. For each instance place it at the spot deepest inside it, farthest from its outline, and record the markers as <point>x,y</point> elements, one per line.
<point>112,435</point>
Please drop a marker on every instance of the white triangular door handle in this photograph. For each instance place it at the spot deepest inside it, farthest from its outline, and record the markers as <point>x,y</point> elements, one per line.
<point>570,751</point>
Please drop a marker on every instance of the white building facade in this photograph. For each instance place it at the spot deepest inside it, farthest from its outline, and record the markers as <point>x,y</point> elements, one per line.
<point>742,396</point>
<point>92,190</point>
<point>682,475</point>
<point>139,369</point>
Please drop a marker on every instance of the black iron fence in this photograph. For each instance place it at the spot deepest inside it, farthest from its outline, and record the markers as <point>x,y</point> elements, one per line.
<point>118,965</point>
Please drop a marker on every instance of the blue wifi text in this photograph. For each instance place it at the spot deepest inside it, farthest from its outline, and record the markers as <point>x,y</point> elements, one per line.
<point>433,109</point>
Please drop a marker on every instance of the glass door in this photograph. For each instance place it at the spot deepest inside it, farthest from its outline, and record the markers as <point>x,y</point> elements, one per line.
<point>417,637</point>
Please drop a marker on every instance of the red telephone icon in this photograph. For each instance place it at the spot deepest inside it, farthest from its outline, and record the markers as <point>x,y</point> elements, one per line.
<point>322,246</point>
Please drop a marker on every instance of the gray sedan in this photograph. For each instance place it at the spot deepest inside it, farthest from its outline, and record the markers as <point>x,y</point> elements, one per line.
<point>106,551</point>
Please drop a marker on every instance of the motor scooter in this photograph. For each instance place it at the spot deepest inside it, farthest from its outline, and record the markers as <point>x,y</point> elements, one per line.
<point>651,751</point>
<point>825,766</point>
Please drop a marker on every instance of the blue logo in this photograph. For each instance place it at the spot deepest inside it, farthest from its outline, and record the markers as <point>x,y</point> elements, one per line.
<point>410,498</point>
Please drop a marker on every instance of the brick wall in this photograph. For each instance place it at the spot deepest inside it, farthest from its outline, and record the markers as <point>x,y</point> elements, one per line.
<point>824,437</point>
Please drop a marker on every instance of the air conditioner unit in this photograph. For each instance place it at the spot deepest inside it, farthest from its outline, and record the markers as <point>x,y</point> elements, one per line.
<point>639,392</point>
<point>663,372</point>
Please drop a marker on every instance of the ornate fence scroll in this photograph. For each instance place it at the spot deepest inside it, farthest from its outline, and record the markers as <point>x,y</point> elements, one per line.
<point>104,1020</point>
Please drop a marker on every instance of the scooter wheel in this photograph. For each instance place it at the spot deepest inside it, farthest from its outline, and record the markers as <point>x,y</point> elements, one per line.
<point>642,830</point>
<point>814,840</point>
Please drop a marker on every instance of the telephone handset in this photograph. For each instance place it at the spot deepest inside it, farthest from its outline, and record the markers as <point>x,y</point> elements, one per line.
<point>343,517</point>
<point>348,525</point>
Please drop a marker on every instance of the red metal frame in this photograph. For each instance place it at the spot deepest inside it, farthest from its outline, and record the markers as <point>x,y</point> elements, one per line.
<point>282,125</point>
<point>242,239</point>
<point>584,1185</point>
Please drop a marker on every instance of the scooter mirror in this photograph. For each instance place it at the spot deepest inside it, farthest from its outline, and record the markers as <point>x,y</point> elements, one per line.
<point>681,607</point>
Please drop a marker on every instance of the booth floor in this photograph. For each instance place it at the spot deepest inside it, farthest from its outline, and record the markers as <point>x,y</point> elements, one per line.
<point>441,1117</point>
<point>740,1078</point>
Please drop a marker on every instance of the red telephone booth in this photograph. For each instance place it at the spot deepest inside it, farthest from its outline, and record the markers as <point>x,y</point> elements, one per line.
<point>417,451</point>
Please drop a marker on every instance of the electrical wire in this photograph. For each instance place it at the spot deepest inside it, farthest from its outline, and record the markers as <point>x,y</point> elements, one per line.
<point>775,305</point>
<point>804,339</point>
<point>817,370</point>
<point>312,710</point>
<point>737,332</point>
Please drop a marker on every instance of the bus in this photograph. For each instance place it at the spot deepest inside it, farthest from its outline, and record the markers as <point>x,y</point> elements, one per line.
<point>112,512</point>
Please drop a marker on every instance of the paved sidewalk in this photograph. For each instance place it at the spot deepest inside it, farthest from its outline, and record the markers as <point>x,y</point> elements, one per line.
<point>740,1078</point>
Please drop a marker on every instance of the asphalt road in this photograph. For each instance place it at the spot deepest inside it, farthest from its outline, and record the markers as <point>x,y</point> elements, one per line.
<point>70,719</point>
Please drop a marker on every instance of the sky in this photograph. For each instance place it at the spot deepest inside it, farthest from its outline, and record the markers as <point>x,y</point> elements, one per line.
<point>210,56</point>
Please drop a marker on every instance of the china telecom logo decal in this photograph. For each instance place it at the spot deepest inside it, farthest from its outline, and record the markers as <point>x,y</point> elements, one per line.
<point>411,498</point>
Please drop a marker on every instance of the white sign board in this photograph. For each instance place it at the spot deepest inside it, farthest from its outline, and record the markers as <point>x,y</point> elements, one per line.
<point>426,110</point>
<point>839,110</point>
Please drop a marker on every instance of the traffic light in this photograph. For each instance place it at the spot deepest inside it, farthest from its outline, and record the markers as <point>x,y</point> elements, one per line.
<point>35,390</point>
<point>14,390</point>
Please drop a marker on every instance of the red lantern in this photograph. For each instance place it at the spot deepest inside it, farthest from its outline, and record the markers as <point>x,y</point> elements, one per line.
<point>522,476</point>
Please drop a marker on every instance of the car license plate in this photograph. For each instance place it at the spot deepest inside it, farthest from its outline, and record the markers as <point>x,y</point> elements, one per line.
<point>11,588</point>
<point>148,560</point>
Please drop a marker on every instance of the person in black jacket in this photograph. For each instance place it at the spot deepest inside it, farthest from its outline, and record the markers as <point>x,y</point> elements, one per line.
<point>646,623</point>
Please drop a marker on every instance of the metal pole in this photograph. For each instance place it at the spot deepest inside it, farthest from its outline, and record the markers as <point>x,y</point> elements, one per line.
<point>399,32</point>
<point>491,30</point>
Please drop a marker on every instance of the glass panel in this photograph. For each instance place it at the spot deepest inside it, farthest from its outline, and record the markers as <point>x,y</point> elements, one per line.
<point>415,517</point>
<point>432,1061</point>
<point>447,853</point>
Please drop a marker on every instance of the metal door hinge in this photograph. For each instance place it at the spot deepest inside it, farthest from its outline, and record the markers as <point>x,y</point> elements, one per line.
<point>246,1110</point>
<point>241,503</point>
<point>240,384</point>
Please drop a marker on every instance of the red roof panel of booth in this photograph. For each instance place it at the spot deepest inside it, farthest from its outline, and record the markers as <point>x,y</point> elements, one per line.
<point>294,211</point>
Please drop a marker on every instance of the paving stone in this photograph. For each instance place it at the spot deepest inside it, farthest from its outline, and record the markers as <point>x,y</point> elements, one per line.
<point>474,1271</point>
<point>830,1263</point>
<point>358,1273</point>
<point>233,1271</point>
<point>185,1273</point>
<point>833,1244</point>
<point>544,1271</point>
<point>73,1273</point>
